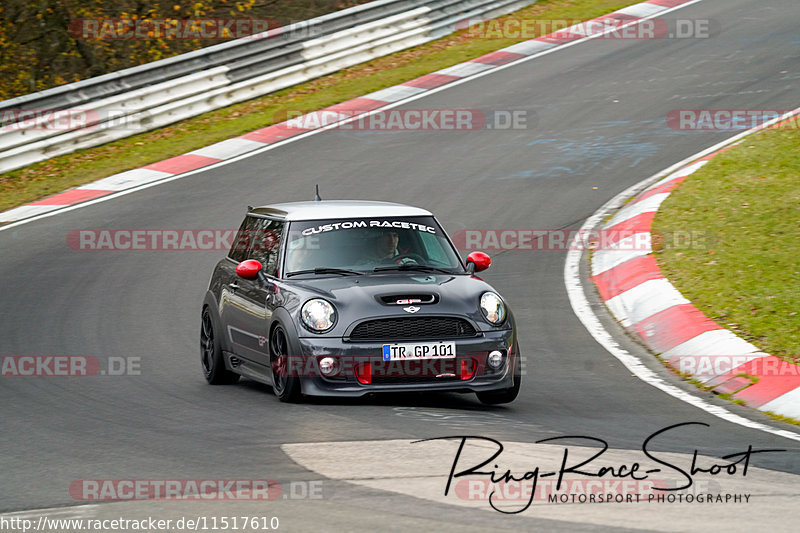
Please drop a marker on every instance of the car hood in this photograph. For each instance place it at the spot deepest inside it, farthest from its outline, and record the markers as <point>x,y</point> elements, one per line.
<point>375,295</point>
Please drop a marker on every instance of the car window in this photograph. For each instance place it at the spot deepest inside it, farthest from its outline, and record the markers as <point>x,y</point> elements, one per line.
<point>435,248</point>
<point>366,244</point>
<point>265,244</point>
<point>241,243</point>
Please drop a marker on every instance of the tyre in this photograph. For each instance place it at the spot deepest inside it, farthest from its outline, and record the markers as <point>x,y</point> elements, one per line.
<point>211,354</point>
<point>508,395</point>
<point>287,388</point>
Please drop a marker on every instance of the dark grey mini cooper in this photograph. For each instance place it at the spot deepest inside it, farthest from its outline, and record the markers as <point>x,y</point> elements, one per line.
<point>347,298</point>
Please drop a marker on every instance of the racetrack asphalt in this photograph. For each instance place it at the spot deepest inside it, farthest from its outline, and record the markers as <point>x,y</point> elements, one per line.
<point>597,119</point>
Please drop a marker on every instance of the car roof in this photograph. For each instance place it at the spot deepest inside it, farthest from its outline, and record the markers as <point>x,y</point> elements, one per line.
<point>333,209</point>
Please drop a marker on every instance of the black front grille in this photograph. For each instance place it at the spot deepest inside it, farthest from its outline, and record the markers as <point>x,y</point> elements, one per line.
<point>412,328</point>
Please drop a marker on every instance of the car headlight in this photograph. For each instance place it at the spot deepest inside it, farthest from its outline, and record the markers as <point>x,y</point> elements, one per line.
<point>494,310</point>
<point>318,315</point>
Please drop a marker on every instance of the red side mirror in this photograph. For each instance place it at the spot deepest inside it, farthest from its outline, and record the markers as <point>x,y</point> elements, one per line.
<point>480,260</point>
<point>249,269</point>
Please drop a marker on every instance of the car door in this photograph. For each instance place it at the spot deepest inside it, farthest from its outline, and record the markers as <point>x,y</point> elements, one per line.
<point>249,304</point>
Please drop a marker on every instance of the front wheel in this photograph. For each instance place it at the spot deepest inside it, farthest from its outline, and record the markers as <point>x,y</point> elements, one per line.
<point>286,387</point>
<point>211,354</point>
<point>508,395</point>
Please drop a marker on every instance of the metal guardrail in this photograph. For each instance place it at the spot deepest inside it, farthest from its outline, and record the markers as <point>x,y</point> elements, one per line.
<point>117,105</point>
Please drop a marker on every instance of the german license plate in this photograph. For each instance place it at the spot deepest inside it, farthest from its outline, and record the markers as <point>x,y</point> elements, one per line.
<point>425,350</point>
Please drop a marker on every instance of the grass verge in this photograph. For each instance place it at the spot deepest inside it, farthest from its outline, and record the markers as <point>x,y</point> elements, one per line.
<point>54,175</point>
<point>745,272</point>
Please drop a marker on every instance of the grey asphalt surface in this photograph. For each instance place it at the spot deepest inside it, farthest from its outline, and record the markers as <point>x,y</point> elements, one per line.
<point>597,119</point>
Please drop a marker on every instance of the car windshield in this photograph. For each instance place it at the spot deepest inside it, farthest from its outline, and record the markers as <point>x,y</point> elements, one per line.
<point>361,245</point>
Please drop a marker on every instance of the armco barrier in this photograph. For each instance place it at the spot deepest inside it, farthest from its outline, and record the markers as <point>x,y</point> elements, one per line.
<point>150,96</point>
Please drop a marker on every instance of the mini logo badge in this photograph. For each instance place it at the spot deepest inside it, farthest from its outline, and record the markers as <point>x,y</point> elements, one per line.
<point>411,309</point>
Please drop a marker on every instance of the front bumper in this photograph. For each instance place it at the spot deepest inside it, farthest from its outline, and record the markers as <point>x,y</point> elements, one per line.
<point>468,372</point>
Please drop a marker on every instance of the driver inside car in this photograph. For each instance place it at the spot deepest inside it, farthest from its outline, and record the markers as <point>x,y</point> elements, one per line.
<point>384,247</point>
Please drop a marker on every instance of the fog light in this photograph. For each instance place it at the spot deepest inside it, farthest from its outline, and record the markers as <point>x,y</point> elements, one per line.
<point>328,366</point>
<point>495,359</point>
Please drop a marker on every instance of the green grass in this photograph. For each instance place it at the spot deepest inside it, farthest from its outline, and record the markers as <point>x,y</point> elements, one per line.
<point>49,177</point>
<point>746,276</point>
<point>781,418</point>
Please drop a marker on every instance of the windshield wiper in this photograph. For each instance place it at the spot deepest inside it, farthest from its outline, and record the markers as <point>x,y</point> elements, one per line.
<point>412,266</point>
<point>326,270</point>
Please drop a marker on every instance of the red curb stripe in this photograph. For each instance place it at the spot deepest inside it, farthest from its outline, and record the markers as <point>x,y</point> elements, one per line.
<point>641,223</point>
<point>559,37</point>
<point>776,378</point>
<point>781,124</point>
<point>715,154</point>
<point>664,187</point>
<point>431,81</point>
<point>183,163</point>
<point>357,105</point>
<point>74,196</point>
<point>626,276</point>
<point>668,3</point>
<point>622,17</point>
<point>671,327</point>
<point>498,58</point>
<point>274,133</point>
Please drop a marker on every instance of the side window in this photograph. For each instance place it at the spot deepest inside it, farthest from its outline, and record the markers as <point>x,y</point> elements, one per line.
<point>241,243</point>
<point>265,244</point>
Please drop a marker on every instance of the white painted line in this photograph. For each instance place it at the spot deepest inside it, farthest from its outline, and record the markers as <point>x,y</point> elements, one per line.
<point>228,148</point>
<point>620,252</point>
<point>648,205</point>
<point>76,511</point>
<point>321,130</point>
<point>126,180</point>
<point>687,171</point>
<point>643,10</point>
<point>583,310</point>
<point>24,211</point>
<point>787,404</point>
<point>395,93</point>
<point>645,300</point>
<point>528,47</point>
<point>462,70</point>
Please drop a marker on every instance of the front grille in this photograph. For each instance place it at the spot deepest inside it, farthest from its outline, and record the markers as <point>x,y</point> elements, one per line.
<point>412,328</point>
